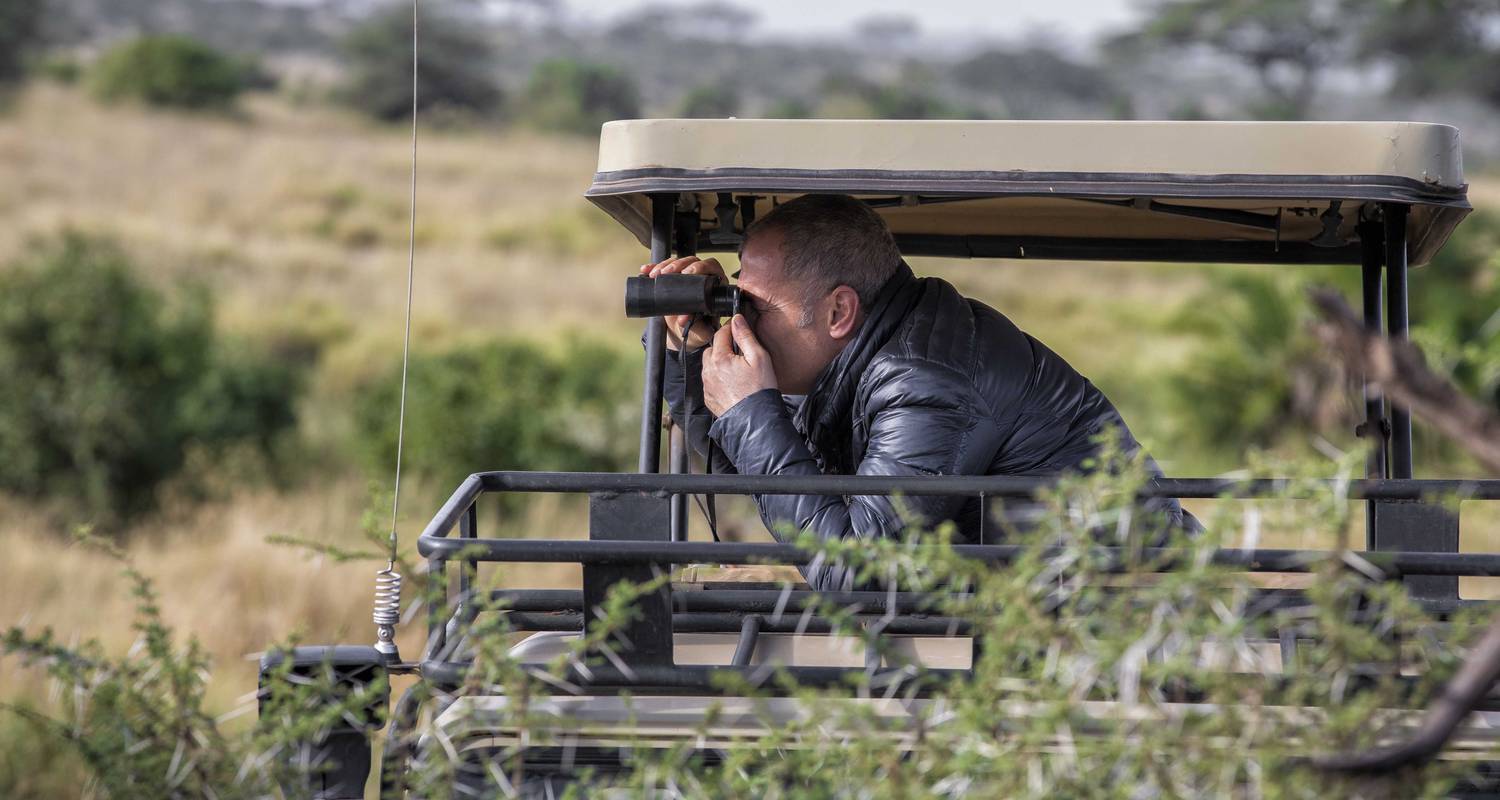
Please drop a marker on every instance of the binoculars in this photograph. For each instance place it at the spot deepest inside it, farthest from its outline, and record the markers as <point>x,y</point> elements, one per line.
<point>671,295</point>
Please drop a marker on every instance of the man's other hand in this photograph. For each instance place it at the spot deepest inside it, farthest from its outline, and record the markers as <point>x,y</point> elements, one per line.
<point>686,265</point>
<point>729,377</point>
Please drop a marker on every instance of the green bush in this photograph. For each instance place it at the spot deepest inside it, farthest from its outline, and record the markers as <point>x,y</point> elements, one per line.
<point>913,96</point>
<point>789,108</point>
<point>577,97</point>
<point>505,405</point>
<point>255,76</point>
<point>455,66</point>
<point>173,71</point>
<point>1454,302</point>
<point>1258,378</point>
<point>60,69</point>
<point>105,391</point>
<point>711,101</point>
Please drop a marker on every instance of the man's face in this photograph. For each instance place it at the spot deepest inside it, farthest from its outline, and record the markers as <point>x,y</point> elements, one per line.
<point>799,353</point>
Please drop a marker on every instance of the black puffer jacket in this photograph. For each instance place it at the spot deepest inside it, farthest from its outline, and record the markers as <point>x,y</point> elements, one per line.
<point>933,384</point>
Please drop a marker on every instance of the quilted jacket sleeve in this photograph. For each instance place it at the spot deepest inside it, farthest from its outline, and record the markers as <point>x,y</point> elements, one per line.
<point>923,419</point>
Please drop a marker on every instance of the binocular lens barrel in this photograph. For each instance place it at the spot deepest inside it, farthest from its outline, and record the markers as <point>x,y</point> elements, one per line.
<point>679,294</point>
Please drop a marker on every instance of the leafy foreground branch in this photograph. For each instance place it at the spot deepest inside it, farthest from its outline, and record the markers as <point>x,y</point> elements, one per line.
<point>1089,680</point>
<point>138,722</point>
<point>1396,368</point>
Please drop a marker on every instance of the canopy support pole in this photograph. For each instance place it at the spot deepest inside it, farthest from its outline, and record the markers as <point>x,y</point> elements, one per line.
<point>686,235</point>
<point>1422,525</point>
<point>1396,324</point>
<point>662,206</point>
<point>1375,427</point>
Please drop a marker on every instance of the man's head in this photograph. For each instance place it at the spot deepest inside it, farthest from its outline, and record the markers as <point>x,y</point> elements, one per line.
<point>812,267</point>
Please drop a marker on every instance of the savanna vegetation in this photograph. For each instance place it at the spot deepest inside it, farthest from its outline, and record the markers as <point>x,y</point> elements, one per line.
<point>170,71</point>
<point>200,313</point>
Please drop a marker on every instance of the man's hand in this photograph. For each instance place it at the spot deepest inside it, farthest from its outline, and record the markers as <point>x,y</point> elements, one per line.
<point>686,265</point>
<point>730,377</point>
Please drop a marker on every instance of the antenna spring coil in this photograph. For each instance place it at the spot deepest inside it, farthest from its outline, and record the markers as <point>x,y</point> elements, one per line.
<point>387,597</point>
<point>387,611</point>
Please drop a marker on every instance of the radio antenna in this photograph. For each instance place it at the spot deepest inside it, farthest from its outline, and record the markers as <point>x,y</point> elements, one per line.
<point>387,581</point>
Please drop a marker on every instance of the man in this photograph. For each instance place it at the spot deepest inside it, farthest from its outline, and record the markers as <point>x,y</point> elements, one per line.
<point>856,366</point>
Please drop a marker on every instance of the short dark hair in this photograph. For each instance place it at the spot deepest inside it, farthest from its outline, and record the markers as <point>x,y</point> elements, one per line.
<point>832,239</point>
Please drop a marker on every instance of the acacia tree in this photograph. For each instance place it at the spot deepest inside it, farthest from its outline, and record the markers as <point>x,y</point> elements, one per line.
<point>1032,79</point>
<point>455,65</point>
<point>578,96</point>
<point>20,36</point>
<point>711,20</point>
<point>1287,44</point>
<point>1436,46</point>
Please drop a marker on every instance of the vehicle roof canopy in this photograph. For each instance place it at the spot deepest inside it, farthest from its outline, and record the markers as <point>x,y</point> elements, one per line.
<point>1170,191</point>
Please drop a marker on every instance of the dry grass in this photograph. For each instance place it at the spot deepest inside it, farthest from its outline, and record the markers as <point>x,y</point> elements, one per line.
<point>218,577</point>
<point>296,216</point>
<point>223,581</point>
<point>294,210</point>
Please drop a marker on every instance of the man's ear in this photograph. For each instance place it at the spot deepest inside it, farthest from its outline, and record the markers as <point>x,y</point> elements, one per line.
<point>844,313</point>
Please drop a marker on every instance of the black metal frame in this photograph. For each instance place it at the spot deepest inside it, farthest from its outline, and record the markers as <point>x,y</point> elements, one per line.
<point>630,541</point>
<point>1402,515</point>
<point>1412,525</point>
<point>1101,249</point>
<point>639,522</point>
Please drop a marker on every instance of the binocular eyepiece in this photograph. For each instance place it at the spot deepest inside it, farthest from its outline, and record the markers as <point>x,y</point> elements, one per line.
<point>671,295</point>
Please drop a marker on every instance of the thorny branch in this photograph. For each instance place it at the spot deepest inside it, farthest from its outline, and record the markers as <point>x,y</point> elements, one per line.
<point>1396,366</point>
<point>1399,370</point>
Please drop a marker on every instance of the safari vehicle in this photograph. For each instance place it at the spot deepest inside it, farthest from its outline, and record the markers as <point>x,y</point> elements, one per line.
<point>1380,197</point>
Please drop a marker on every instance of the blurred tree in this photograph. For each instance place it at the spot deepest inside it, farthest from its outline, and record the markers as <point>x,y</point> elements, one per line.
<point>888,34</point>
<point>455,68</point>
<point>1455,307</point>
<point>789,108</point>
<point>1032,77</point>
<point>1437,46</point>
<point>1258,378</point>
<point>1189,109</point>
<point>505,404</point>
<point>60,68</point>
<point>644,24</point>
<point>248,26</point>
<point>914,95</point>
<point>169,71</point>
<point>844,96</point>
<point>711,20</point>
<point>105,391</point>
<point>1287,44</point>
<point>716,20</point>
<point>909,101</point>
<point>919,92</point>
<point>20,36</point>
<point>577,96</point>
<point>711,101</point>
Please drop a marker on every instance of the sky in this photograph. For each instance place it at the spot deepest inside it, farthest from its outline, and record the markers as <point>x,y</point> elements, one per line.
<point>1076,20</point>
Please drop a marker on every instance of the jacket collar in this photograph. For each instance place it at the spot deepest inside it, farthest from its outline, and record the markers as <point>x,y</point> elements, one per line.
<point>825,416</point>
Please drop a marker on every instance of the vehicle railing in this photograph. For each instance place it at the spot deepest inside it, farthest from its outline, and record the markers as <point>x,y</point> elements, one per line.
<point>630,540</point>
<point>628,534</point>
<point>991,486</point>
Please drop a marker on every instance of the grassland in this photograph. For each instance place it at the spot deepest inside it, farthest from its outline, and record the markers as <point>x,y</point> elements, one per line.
<point>296,218</point>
